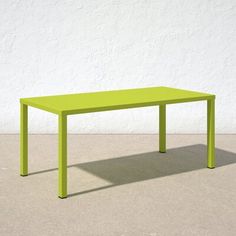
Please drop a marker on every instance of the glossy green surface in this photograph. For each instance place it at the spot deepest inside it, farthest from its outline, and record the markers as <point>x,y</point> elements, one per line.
<point>211,133</point>
<point>23,140</point>
<point>111,100</point>
<point>62,156</point>
<point>162,128</point>
<point>64,105</point>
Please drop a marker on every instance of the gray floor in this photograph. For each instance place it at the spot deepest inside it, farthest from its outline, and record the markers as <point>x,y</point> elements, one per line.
<point>119,185</point>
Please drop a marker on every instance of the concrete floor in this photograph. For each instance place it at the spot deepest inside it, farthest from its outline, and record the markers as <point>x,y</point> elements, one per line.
<point>119,185</point>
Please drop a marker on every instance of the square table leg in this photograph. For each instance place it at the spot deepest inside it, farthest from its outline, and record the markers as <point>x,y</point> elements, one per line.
<point>23,140</point>
<point>162,128</point>
<point>62,156</point>
<point>211,133</point>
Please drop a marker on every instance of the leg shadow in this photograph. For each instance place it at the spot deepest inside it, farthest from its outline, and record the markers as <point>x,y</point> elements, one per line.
<point>144,166</point>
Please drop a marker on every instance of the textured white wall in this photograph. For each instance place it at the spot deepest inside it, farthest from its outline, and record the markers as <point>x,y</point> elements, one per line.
<point>70,46</point>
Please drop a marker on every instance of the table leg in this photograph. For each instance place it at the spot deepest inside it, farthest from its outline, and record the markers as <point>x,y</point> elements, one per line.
<point>62,156</point>
<point>211,133</point>
<point>23,140</point>
<point>162,128</point>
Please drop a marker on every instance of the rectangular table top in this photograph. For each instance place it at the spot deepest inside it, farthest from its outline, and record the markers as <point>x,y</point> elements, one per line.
<point>112,100</point>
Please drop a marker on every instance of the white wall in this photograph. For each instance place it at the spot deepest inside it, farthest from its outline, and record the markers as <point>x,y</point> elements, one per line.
<point>70,46</point>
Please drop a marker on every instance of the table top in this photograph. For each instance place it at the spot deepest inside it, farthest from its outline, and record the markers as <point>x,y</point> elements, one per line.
<point>115,99</point>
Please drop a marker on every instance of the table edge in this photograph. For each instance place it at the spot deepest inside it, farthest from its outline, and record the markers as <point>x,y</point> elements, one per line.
<point>115,107</point>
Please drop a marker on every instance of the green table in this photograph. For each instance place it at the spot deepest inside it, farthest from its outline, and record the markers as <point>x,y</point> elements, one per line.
<point>69,104</point>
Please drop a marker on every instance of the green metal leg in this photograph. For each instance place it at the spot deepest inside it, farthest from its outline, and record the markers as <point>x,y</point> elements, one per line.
<point>162,128</point>
<point>23,140</point>
<point>62,156</point>
<point>211,133</point>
